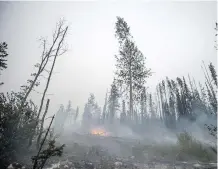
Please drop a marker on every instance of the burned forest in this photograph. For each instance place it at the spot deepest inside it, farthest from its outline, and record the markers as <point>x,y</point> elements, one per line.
<point>130,123</point>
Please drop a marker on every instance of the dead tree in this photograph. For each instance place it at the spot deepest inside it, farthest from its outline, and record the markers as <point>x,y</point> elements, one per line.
<point>57,49</point>
<point>42,156</point>
<point>42,123</point>
<point>60,33</point>
<point>76,115</point>
<point>46,55</point>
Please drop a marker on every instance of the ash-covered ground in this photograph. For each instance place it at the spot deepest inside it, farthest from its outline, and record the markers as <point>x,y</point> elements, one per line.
<point>113,150</point>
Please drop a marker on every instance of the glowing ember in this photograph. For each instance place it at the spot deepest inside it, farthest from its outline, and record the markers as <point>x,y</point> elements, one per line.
<point>99,132</point>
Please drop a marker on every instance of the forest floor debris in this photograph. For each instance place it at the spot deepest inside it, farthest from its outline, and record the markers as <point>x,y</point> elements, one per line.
<point>81,156</point>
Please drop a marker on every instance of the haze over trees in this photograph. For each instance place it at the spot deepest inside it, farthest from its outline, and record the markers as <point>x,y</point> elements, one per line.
<point>128,102</point>
<point>174,101</point>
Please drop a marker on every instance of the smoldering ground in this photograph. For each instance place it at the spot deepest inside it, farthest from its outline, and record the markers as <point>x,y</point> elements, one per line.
<point>151,141</point>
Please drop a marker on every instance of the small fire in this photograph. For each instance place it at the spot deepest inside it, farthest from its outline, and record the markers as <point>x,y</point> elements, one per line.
<point>98,131</point>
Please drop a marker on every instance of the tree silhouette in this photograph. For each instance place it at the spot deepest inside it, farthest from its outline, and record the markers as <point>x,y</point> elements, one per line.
<point>123,114</point>
<point>3,55</point>
<point>104,108</point>
<point>131,71</point>
<point>213,73</point>
<point>113,103</point>
<point>143,105</point>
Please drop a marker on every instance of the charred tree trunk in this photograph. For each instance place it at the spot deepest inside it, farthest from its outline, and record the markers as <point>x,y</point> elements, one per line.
<point>42,143</point>
<point>42,123</point>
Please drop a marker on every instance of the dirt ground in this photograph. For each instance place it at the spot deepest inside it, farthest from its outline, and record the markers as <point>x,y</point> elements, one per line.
<point>96,152</point>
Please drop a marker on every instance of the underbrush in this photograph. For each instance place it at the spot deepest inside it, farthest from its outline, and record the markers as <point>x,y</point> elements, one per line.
<point>187,148</point>
<point>188,145</point>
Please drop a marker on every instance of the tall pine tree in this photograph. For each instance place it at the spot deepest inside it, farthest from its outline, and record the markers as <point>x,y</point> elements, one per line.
<point>131,71</point>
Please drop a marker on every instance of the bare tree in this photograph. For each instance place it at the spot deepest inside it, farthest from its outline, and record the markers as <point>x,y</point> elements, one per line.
<point>42,123</point>
<point>46,55</point>
<point>59,34</point>
<point>57,49</point>
<point>42,156</point>
<point>76,115</point>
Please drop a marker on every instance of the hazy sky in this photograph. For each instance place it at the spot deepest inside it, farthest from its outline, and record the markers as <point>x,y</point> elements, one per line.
<point>173,36</point>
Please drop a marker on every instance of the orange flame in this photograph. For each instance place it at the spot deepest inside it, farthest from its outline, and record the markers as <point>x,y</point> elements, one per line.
<point>99,132</point>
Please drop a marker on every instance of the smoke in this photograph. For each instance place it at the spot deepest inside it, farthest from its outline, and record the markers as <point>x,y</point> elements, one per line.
<point>121,138</point>
<point>197,128</point>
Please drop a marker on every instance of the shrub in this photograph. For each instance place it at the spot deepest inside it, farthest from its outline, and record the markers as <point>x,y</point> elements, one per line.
<point>190,147</point>
<point>15,128</point>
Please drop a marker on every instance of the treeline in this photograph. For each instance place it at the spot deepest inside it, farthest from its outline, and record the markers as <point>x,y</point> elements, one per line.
<point>130,102</point>
<point>65,116</point>
<point>174,99</point>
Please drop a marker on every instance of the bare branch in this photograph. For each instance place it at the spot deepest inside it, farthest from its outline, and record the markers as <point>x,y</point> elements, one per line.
<point>43,76</point>
<point>63,51</point>
<point>42,93</point>
<point>44,49</point>
<point>46,70</point>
